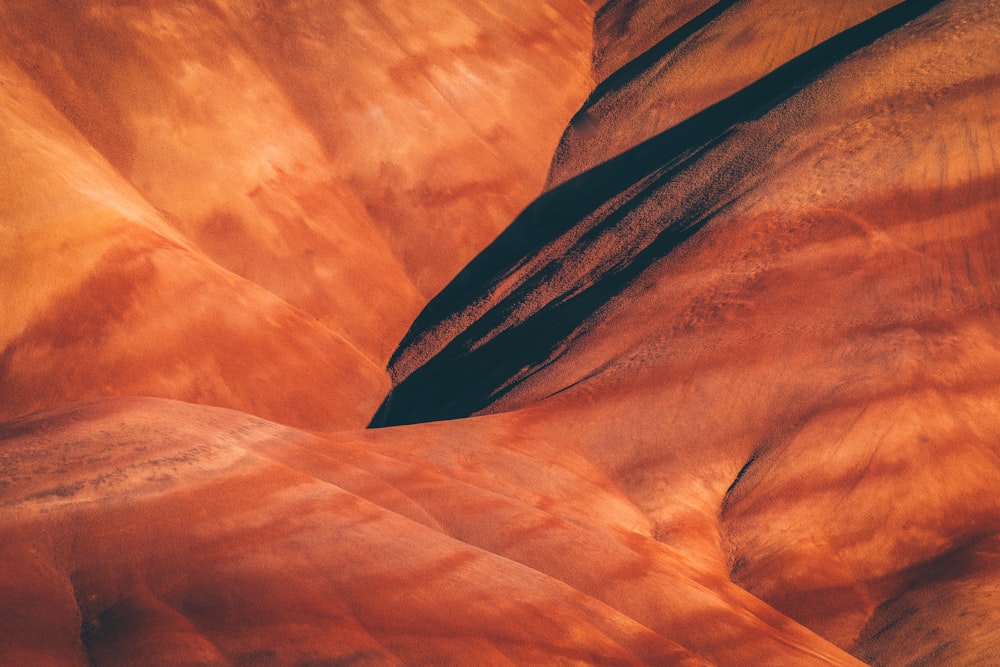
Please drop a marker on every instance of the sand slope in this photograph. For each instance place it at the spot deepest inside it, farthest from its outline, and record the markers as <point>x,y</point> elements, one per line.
<point>246,204</point>
<point>182,534</point>
<point>726,393</point>
<point>774,325</point>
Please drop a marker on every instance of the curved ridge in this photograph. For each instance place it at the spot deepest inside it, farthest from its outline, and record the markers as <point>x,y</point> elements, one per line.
<point>454,380</point>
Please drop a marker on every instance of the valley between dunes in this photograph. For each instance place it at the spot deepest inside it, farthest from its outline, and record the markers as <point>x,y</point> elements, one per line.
<point>637,332</point>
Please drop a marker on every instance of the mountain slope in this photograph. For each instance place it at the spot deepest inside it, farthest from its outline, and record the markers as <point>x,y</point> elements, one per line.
<point>187,118</point>
<point>423,109</point>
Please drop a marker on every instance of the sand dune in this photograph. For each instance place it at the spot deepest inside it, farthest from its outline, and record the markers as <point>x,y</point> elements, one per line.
<point>723,390</point>
<point>795,297</point>
<point>104,297</point>
<point>181,533</point>
<point>186,202</point>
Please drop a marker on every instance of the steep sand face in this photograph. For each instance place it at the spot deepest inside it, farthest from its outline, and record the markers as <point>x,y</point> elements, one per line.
<point>775,327</point>
<point>155,532</point>
<point>626,29</point>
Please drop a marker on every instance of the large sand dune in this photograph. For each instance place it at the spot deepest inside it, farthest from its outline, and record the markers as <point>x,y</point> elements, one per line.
<point>722,390</point>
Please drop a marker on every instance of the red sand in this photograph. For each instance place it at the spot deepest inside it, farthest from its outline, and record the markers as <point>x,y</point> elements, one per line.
<point>725,394</point>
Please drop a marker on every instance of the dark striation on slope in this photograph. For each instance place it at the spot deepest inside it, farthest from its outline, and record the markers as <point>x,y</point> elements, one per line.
<point>479,366</point>
<point>655,53</point>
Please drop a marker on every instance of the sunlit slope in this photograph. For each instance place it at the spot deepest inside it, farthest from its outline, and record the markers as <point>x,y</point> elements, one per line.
<point>155,150</point>
<point>442,116</point>
<point>156,532</point>
<point>102,297</point>
<point>726,395</point>
<point>313,147</point>
<point>775,327</point>
<point>173,101</point>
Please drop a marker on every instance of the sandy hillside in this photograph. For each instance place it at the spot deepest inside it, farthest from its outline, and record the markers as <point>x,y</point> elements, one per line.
<point>711,379</point>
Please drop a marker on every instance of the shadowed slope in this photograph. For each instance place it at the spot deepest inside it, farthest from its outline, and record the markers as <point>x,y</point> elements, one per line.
<point>624,30</point>
<point>473,318</point>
